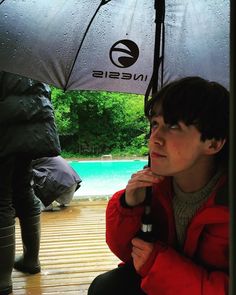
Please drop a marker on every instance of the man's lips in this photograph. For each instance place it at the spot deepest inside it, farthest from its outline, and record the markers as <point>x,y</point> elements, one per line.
<point>157,155</point>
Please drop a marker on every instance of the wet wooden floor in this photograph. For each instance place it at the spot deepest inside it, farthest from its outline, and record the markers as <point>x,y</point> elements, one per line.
<point>73,251</point>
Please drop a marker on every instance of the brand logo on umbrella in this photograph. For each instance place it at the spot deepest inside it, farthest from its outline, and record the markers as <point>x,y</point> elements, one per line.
<point>124,53</point>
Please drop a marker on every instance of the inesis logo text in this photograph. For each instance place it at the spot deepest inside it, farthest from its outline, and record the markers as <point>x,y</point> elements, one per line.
<point>123,54</point>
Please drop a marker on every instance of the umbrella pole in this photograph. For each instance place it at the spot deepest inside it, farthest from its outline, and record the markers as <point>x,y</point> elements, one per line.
<point>159,45</point>
<point>158,60</point>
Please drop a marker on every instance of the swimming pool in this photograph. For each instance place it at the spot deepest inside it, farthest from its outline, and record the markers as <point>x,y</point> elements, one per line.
<point>104,178</point>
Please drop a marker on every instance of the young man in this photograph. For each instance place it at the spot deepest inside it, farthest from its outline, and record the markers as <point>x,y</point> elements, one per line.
<point>188,175</point>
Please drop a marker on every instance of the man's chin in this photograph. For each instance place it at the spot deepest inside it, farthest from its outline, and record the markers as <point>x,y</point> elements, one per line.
<point>157,172</point>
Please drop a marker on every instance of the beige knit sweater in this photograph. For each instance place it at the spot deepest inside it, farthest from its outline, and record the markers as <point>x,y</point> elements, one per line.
<point>185,205</point>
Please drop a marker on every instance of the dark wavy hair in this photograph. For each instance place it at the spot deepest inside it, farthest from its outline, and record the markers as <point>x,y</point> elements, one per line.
<point>195,101</point>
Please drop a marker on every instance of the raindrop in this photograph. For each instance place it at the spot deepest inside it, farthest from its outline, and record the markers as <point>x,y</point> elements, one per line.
<point>5,15</point>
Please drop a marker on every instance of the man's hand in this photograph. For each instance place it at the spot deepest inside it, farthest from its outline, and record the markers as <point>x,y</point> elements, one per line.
<point>135,189</point>
<point>141,252</point>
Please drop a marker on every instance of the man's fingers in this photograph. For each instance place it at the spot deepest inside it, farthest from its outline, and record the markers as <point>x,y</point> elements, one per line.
<point>142,245</point>
<point>146,176</point>
<point>138,252</point>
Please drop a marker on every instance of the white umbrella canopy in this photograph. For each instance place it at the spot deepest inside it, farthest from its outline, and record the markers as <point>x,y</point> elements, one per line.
<point>109,45</point>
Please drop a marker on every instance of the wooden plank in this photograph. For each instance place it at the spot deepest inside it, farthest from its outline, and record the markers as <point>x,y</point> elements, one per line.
<point>73,251</point>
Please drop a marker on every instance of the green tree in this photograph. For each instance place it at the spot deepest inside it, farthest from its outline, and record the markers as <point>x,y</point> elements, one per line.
<point>91,122</point>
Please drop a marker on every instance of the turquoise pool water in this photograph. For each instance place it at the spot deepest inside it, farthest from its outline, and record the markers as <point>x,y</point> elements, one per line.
<point>104,178</point>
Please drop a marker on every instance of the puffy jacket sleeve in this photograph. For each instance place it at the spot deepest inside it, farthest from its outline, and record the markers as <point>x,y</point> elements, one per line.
<point>122,224</point>
<point>171,273</point>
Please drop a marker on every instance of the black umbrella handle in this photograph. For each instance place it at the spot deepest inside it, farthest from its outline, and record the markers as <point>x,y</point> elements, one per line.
<point>146,229</point>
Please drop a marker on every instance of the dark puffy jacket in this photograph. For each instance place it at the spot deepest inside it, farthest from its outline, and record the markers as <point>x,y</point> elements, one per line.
<point>26,118</point>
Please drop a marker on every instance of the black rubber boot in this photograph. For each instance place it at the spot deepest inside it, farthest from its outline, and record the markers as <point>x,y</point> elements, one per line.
<point>30,234</point>
<point>7,255</point>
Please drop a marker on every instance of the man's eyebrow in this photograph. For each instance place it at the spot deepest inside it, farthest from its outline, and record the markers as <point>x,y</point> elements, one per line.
<point>157,114</point>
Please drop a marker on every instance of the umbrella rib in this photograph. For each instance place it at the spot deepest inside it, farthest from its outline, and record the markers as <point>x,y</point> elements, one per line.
<point>103,2</point>
<point>158,61</point>
<point>160,16</point>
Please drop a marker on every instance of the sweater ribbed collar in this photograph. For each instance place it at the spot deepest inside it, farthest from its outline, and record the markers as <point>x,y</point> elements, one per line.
<point>198,196</point>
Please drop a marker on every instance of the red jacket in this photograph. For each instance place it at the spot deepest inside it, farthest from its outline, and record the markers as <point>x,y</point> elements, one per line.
<point>201,268</point>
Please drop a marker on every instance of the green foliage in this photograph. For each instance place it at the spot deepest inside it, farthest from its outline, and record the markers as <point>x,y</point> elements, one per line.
<point>91,122</point>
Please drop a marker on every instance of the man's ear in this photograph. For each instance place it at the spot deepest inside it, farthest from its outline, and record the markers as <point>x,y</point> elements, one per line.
<point>213,146</point>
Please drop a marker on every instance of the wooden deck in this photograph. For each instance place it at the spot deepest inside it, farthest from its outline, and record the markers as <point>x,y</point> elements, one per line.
<point>73,251</point>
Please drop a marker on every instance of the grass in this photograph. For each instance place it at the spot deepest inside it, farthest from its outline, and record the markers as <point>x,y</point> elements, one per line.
<point>116,154</point>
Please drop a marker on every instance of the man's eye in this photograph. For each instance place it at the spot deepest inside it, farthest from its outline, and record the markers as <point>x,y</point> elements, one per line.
<point>173,126</point>
<point>154,124</point>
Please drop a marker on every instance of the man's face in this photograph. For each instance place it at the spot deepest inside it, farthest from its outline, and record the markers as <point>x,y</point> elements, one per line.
<point>175,150</point>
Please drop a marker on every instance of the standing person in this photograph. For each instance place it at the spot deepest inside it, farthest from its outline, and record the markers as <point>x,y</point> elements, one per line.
<point>188,148</point>
<point>27,131</point>
<point>54,180</point>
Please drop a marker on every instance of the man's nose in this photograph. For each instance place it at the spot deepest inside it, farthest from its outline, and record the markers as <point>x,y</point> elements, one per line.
<point>157,136</point>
